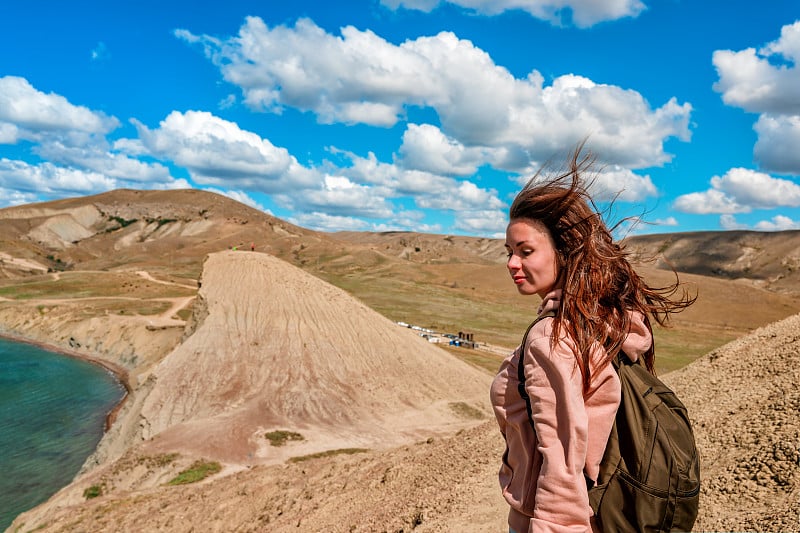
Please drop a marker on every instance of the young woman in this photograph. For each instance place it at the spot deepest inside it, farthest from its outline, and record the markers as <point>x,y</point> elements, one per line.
<point>560,249</point>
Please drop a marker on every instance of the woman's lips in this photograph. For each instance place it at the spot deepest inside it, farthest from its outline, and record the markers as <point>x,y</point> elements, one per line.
<point>519,280</point>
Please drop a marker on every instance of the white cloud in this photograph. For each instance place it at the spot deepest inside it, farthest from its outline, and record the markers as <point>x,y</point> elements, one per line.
<point>609,182</point>
<point>710,201</point>
<point>741,190</point>
<point>325,222</point>
<point>617,183</point>
<point>27,113</point>
<point>489,222</point>
<point>360,77</point>
<point>582,13</point>
<point>778,145</point>
<point>9,133</point>
<point>340,196</point>
<point>48,179</point>
<point>227,102</point>
<point>669,221</point>
<point>94,157</point>
<point>241,197</point>
<point>428,190</point>
<point>766,81</point>
<point>217,152</point>
<point>376,190</point>
<point>728,222</point>
<point>750,80</point>
<point>9,197</point>
<point>426,148</point>
<point>778,223</point>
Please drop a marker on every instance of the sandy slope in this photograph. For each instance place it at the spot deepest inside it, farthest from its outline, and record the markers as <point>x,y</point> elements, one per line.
<point>279,348</point>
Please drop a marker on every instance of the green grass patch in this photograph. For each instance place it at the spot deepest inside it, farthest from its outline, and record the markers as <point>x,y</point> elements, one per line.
<point>464,410</point>
<point>93,492</point>
<point>280,437</point>
<point>677,347</point>
<point>328,453</point>
<point>198,471</point>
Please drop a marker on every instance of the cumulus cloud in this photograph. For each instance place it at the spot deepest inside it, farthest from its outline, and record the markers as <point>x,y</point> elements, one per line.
<point>325,222</point>
<point>359,77</point>
<point>241,197</point>
<point>48,179</point>
<point>9,197</point>
<point>609,183</point>
<point>669,221</point>
<point>97,158</point>
<point>29,114</point>
<point>729,222</point>
<point>619,183</point>
<point>778,145</point>
<point>741,190</point>
<point>370,182</point>
<point>778,223</point>
<point>766,81</point>
<point>581,13</point>
<point>426,148</point>
<point>219,153</point>
<point>488,222</point>
<point>342,197</point>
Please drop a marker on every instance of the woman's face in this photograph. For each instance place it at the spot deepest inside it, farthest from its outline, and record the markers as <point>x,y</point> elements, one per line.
<point>532,259</point>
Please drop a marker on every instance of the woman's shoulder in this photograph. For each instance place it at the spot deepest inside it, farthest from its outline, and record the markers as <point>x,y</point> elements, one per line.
<point>539,343</point>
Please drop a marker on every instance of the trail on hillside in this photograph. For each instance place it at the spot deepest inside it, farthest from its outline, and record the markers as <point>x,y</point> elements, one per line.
<point>280,349</point>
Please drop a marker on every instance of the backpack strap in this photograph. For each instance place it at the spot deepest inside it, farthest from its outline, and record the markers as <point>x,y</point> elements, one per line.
<point>521,376</point>
<point>521,365</point>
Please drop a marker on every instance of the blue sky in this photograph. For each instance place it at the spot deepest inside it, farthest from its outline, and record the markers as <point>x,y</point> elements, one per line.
<point>418,115</point>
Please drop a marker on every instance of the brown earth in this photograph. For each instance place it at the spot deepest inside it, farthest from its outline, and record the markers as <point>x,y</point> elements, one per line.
<point>410,442</point>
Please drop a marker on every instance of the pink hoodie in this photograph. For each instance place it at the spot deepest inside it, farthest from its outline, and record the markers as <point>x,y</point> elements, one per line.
<point>542,474</point>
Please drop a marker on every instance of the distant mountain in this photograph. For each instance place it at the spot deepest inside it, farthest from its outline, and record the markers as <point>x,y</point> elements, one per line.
<point>770,258</point>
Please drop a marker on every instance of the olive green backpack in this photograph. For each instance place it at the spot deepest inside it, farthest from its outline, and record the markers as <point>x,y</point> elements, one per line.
<point>649,477</point>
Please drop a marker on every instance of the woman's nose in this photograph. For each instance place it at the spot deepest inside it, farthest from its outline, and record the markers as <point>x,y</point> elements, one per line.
<point>513,262</point>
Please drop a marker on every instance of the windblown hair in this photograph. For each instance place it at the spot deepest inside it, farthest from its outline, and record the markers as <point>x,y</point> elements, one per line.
<point>599,284</point>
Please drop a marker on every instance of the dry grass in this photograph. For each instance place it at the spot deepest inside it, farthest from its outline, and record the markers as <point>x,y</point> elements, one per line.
<point>83,284</point>
<point>327,453</point>
<point>446,283</point>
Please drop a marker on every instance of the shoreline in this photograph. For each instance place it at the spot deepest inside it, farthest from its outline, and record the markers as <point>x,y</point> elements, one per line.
<point>119,373</point>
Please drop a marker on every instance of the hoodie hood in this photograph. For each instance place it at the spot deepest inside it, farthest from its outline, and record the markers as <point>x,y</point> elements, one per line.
<point>636,343</point>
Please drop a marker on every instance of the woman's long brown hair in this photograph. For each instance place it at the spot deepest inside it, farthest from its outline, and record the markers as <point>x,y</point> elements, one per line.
<point>599,284</point>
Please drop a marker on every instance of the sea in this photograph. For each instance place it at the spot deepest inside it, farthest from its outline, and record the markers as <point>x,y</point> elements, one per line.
<point>52,413</point>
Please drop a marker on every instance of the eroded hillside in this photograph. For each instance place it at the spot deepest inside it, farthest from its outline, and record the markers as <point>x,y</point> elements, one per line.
<point>742,398</point>
<point>259,344</point>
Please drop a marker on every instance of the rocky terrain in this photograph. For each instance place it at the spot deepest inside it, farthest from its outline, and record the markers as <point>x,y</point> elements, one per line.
<point>385,432</point>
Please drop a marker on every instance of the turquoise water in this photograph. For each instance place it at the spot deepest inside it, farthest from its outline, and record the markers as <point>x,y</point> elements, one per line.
<point>52,411</point>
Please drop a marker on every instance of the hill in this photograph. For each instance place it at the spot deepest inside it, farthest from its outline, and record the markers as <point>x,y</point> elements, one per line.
<point>769,259</point>
<point>442,282</point>
<point>742,399</point>
<point>220,348</point>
